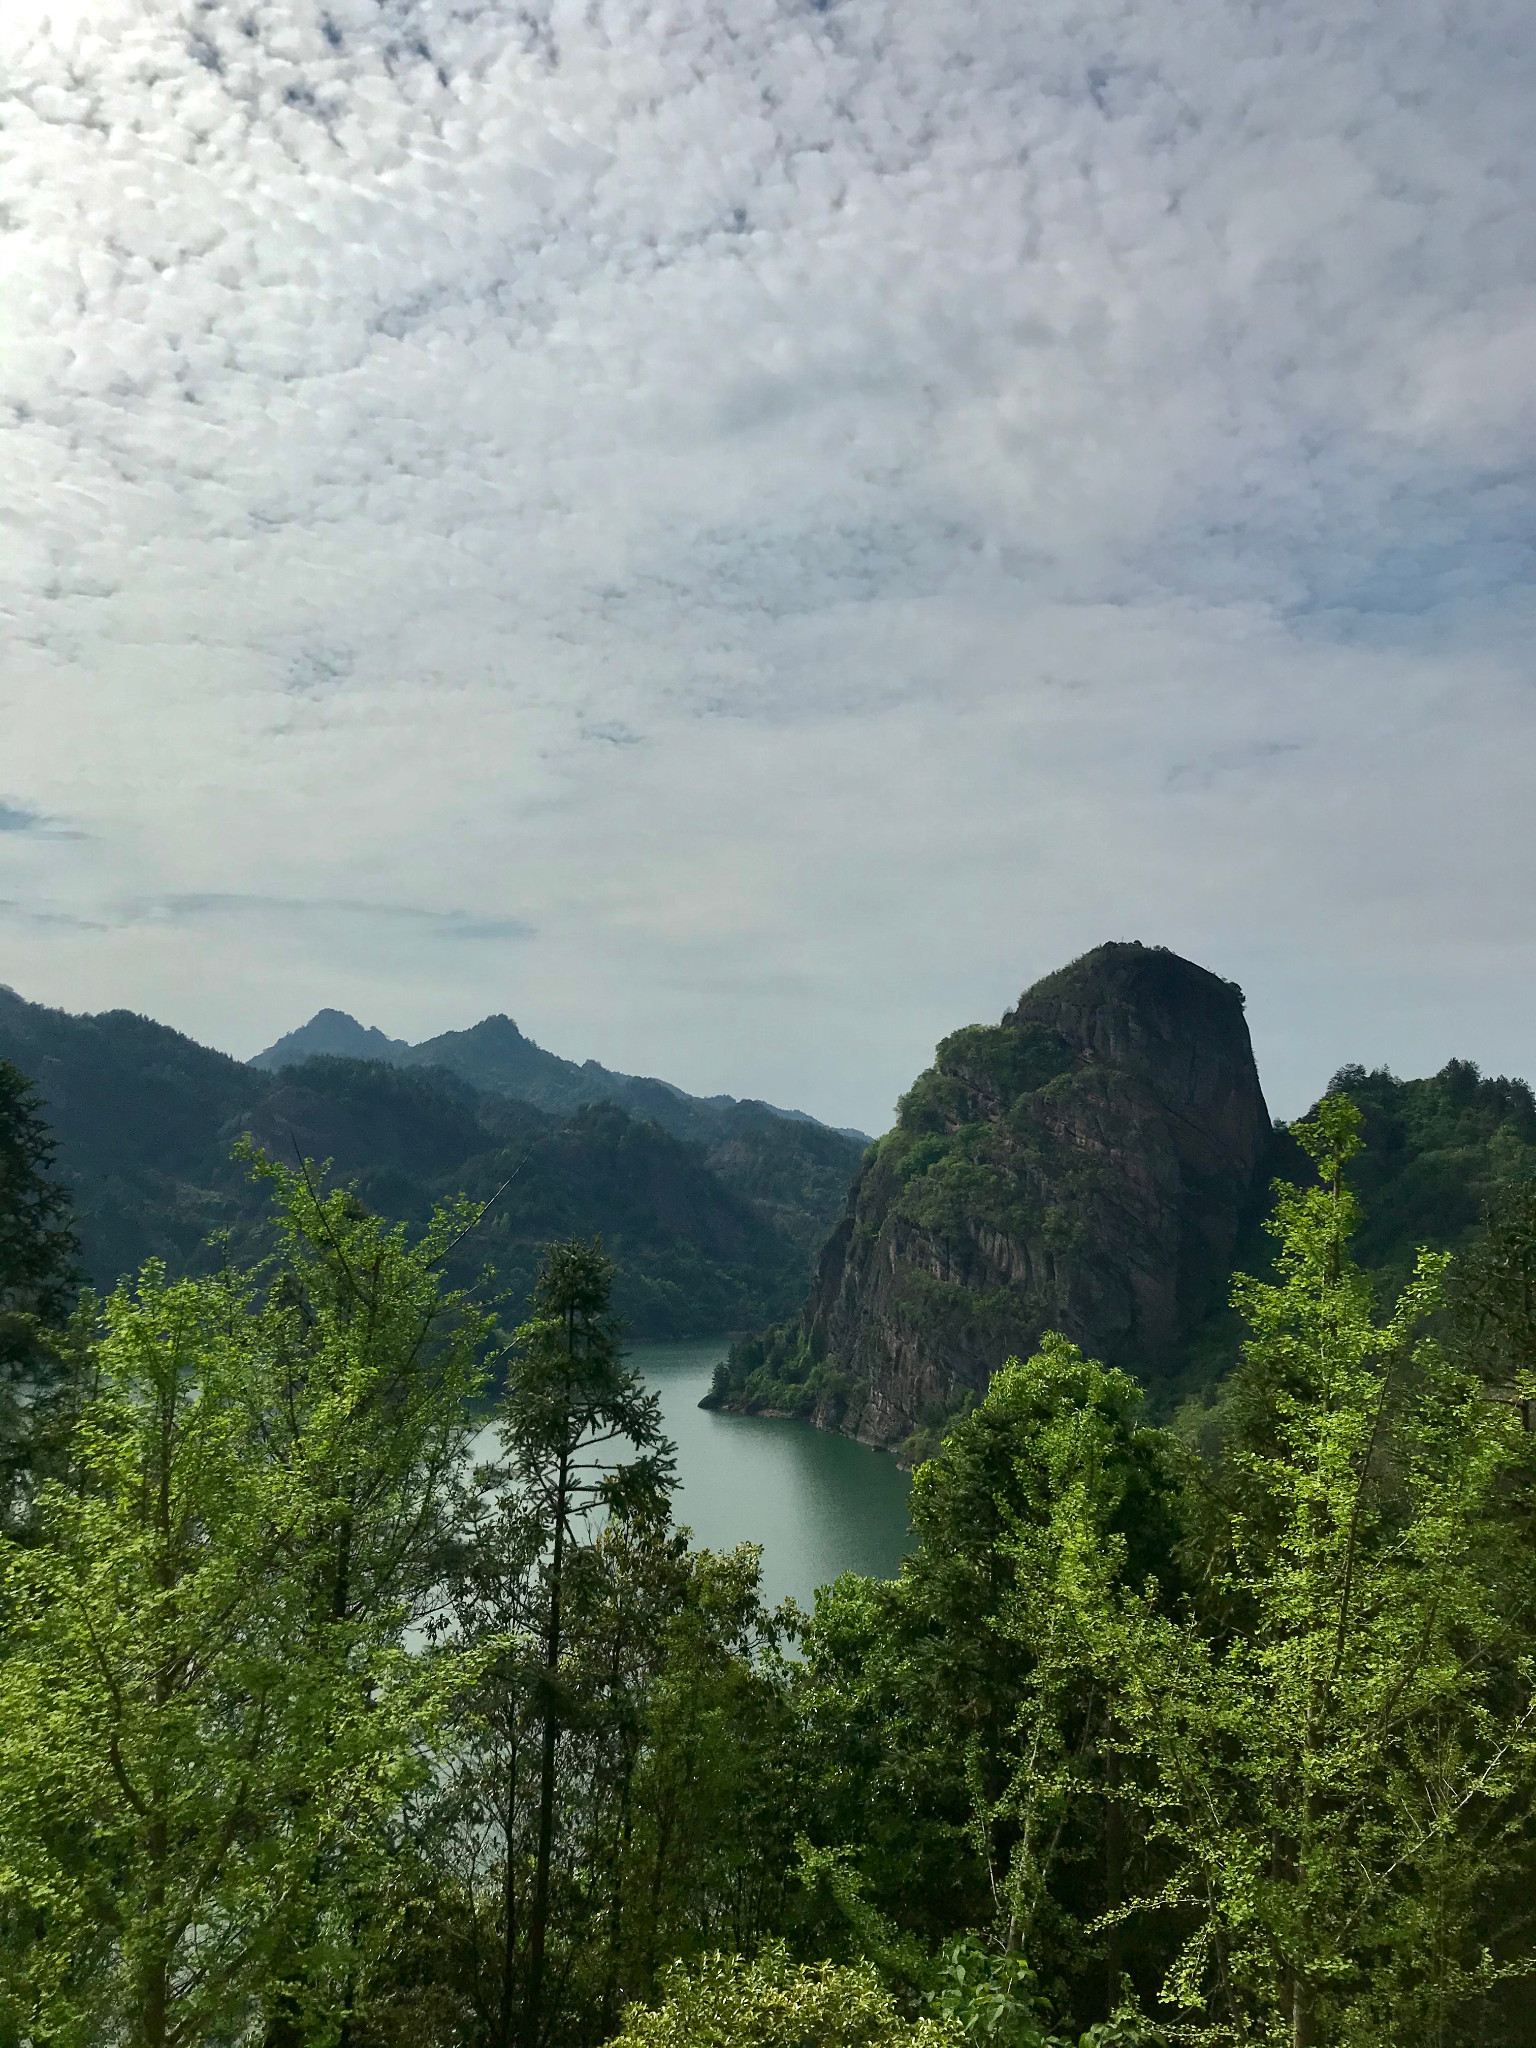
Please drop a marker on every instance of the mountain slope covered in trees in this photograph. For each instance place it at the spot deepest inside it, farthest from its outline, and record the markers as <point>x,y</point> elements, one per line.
<point>794,1170</point>
<point>146,1120</point>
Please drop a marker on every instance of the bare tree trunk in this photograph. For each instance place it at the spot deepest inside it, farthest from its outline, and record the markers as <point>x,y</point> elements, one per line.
<point>156,1994</point>
<point>509,1906</point>
<point>1303,2014</point>
<point>1114,1883</point>
<point>616,1893</point>
<point>538,1919</point>
<point>155,1997</point>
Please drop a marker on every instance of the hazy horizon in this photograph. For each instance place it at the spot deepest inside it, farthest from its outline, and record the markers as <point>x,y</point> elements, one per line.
<point>872,1128</point>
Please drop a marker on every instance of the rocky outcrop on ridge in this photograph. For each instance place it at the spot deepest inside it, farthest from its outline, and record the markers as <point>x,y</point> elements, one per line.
<point>1084,1166</point>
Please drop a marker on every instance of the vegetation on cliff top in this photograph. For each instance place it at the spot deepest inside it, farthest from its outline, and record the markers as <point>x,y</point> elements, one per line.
<point>1437,1152</point>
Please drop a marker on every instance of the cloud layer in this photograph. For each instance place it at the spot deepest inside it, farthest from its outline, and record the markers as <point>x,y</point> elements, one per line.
<point>767,526</point>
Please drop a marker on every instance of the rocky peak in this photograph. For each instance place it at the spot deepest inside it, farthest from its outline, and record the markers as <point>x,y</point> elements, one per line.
<point>1084,1166</point>
<point>1176,1028</point>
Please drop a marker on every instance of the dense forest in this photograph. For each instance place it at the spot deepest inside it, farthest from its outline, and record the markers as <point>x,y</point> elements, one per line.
<point>713,1215</point>
<point>312,1733</point>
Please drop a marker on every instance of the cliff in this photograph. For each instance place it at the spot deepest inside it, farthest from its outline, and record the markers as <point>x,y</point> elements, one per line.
<point>1086,1165</point>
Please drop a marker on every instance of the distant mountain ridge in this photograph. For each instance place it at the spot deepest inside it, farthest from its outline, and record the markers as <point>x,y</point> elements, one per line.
<point>330,1034</point>
<point>496,1057</point>
<point>710,1232</point>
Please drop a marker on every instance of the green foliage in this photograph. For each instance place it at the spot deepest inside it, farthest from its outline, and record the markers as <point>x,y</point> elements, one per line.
<point>954,1160</point>
<point>990,1996</point>
<point>670,1831</point>
<point>208,1712</point>
<point>39,1250</point>
<point>39,1276</point>
<point>782,1372</point>
<point>310,1735</point>
<point>726,2002</point>
<point>834,1918</point>
<point>981,1072</point>
<point>1252,1738</point>
<point>1343,1743</point>
<point>934,1424</point>
<point>1436,1152</point>
<point>569,1399</point>
<point>612,1794</point>
<point>1492,1294</point>
<point>956,1721</point>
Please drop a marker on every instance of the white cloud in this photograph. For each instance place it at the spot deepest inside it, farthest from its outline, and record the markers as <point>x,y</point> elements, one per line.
<point>813,514</point>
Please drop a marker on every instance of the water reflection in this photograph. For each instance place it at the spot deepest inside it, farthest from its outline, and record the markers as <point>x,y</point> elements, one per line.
<point>818,1504</point>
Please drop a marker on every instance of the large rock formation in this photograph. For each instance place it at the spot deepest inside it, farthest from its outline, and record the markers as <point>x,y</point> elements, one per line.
<point>1083,1166</point>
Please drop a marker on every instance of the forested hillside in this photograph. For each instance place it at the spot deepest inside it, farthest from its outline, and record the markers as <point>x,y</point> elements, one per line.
<point>706,1239</point>
<point>313,1736</point>
<point>792,1169</point>
<point>1100,1163</point>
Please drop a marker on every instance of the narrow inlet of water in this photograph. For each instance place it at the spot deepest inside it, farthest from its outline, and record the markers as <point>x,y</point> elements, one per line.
<point>818,1504</point>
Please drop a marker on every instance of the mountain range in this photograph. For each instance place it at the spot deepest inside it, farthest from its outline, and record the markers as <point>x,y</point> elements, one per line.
<point>496,1058</point>
<point>713,1215</point>
<point>1097,1162</point>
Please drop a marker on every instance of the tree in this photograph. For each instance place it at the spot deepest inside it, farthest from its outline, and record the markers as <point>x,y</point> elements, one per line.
<point>208,1710</point>
<point>1093,1563</point>
<point>1341,1731</point>
<point>39,1277</point>
<point>671,1831</point>
<point>570,1403</point>
<point>1492,1296</point>
<point>701,1827</point>
<point>961,1720</point>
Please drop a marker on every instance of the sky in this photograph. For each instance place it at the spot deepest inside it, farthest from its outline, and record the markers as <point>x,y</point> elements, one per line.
<point>741,533</point>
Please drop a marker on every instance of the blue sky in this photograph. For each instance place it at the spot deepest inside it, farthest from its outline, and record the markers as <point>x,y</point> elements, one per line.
<point>742,533</point>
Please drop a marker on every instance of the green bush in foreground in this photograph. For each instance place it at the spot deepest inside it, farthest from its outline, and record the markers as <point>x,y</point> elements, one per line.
<point>727,2002</point>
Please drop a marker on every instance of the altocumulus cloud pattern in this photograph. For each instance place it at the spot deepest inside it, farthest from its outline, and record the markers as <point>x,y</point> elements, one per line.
<point>1074,459</point>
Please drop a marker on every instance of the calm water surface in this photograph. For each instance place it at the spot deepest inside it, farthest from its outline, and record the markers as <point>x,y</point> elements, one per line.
<point>819,1504</point>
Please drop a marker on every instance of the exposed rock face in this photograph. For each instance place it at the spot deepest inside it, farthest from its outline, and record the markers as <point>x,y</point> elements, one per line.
<point>1084,1166</point>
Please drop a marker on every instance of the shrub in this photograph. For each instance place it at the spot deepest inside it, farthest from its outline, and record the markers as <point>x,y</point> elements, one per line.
<point>726,2002</point>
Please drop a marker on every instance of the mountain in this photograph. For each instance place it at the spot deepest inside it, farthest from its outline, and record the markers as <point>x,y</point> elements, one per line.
<point>146,1118</point>
<point>793,1170</point>
<point>1086,1165</point>
<point>330,1034</point>
<point>495,1057</point>
<point>1100,1163</point>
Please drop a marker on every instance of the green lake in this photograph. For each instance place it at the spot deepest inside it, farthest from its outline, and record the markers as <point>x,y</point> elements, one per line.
<point>819,1504</point>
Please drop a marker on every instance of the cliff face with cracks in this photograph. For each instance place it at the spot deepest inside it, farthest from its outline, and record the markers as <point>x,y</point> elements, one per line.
<point>1083,1166</point>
